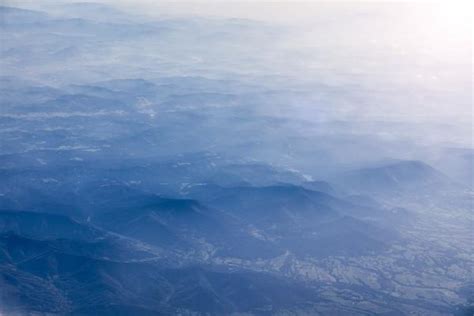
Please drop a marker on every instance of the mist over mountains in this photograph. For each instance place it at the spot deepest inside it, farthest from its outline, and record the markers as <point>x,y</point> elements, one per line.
<point>172,164</point>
